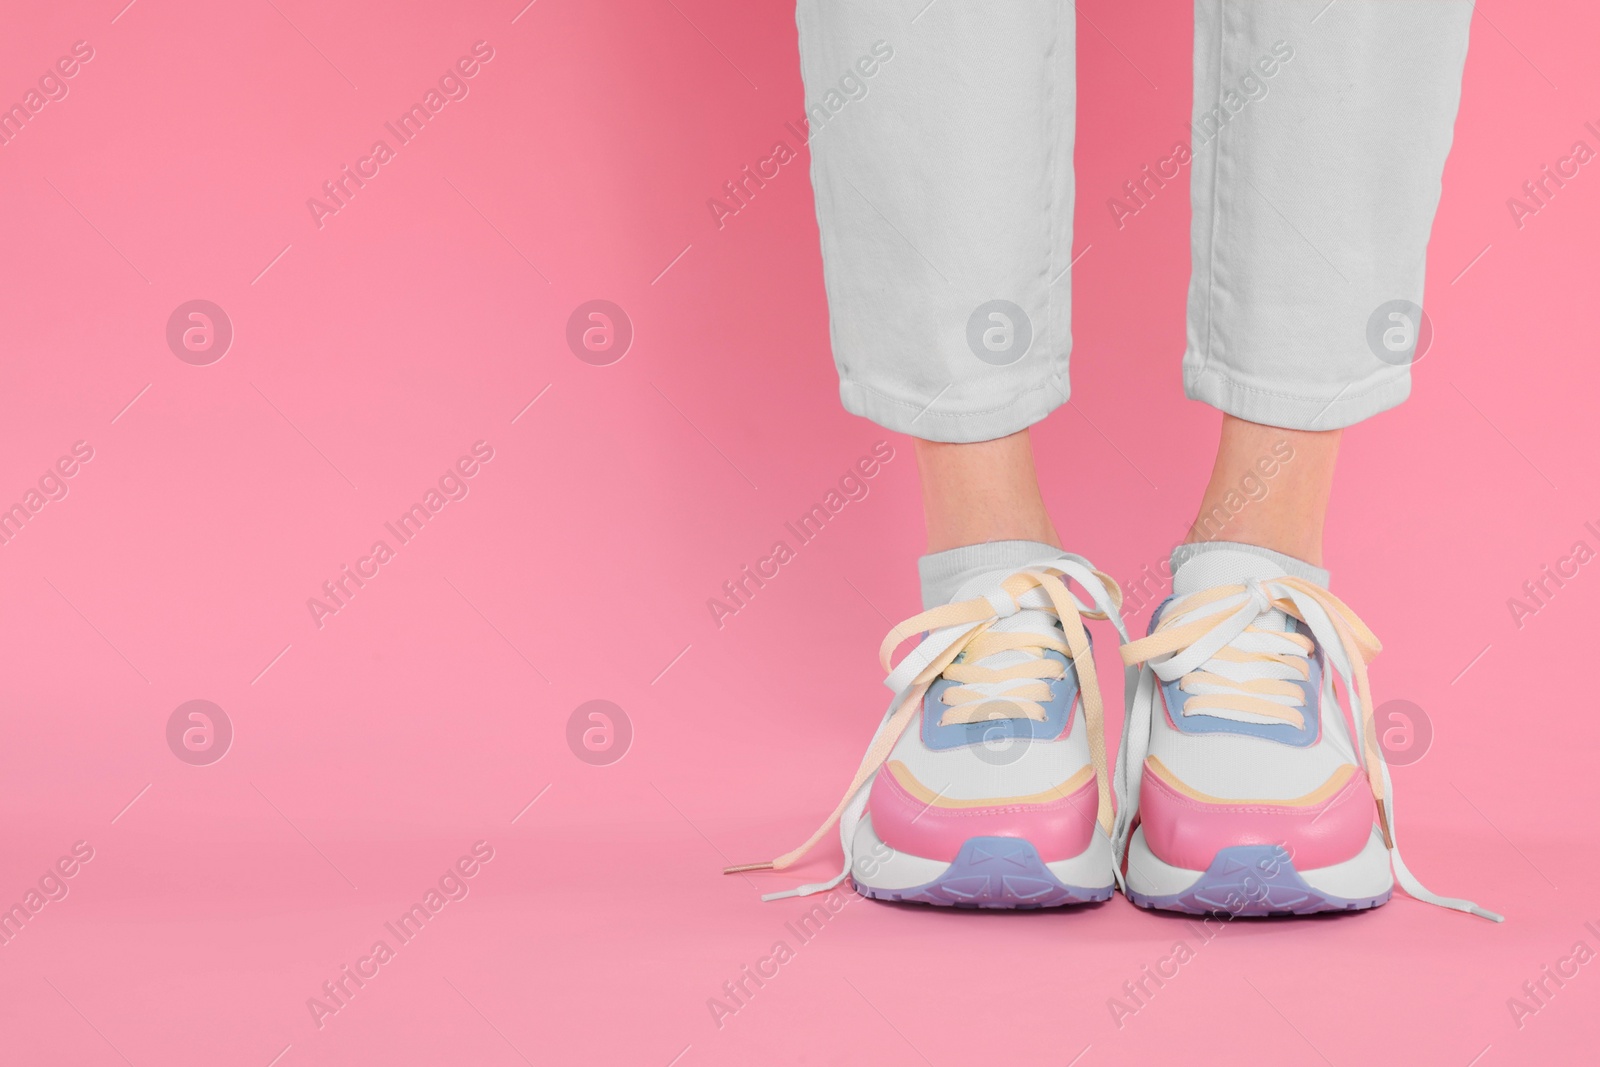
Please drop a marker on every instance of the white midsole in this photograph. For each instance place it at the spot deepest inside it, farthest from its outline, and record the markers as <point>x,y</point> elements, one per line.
<point>1367,874</point>
<point>877,865</point>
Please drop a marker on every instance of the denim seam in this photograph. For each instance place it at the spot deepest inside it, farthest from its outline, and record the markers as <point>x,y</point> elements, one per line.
<point>1051,207</point>
<point>1216,185</point>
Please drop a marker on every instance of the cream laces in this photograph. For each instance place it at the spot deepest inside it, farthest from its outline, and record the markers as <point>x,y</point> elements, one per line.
<point>1237,670</point>
<point>956,638</point>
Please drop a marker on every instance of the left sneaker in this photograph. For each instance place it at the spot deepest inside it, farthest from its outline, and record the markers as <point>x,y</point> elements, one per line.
<point>1240,789</point>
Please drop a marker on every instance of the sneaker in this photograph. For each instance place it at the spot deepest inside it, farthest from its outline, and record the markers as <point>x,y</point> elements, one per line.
<point>1239,787</point>
<point>987,784</point>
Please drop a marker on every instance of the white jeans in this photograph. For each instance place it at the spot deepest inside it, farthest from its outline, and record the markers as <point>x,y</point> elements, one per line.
<point>941,140</point>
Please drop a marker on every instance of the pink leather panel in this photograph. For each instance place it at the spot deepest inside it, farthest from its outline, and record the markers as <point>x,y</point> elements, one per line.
<point>1188,833</point>
<point>1060,829</point>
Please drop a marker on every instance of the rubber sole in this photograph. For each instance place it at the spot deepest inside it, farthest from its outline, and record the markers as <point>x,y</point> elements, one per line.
<point>992,872</point>
<point>1253,880</point>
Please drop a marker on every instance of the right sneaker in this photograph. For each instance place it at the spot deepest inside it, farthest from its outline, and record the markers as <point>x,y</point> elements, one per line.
<point>986,785</point>
<point>1242,787</point>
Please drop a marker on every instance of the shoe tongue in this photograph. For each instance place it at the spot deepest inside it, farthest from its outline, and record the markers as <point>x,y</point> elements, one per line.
<point>1214,566</point>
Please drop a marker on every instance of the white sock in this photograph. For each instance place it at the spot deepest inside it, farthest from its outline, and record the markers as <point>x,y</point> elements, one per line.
<point>944,572</point>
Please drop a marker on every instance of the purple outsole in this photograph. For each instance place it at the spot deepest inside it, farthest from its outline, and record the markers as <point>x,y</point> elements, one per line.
<point>992,872</point>
<point>1254,880</point>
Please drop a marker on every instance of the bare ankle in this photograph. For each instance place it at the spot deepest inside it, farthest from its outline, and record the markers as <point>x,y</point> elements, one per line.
<point>1270,488</point>
<point>982,492</point>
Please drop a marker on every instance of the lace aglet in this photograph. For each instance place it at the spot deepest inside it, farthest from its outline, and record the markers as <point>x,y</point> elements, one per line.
<point>743,867</point>
<point>1383,825</point>
<point>767,898</point>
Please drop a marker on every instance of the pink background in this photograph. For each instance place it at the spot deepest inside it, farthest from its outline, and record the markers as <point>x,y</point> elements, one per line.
<point>371,753</point>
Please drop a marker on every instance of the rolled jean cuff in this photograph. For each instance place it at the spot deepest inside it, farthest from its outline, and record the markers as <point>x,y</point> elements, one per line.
<point>1290,411</point>
<point>1000,413</point>
<point>1312,201</point>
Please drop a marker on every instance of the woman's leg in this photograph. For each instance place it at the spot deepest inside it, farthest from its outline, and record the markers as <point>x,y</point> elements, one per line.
<point>941,142</point>
<point>941,138</point>
<point>1321,132</point>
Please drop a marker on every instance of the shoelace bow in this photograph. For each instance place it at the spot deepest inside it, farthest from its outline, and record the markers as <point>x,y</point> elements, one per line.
<point>962,630</point>
<point>1215,627</point>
